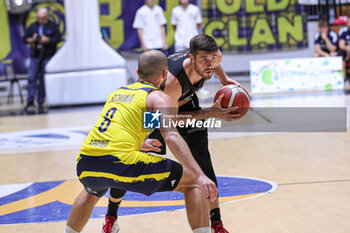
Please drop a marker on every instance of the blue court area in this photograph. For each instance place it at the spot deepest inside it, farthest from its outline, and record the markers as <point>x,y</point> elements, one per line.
<point>52,201</point>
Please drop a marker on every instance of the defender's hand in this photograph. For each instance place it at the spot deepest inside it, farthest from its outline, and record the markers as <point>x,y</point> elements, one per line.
<point>208,186</point>
<point>151,145</point>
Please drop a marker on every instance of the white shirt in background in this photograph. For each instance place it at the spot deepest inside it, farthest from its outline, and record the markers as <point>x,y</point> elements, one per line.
<point>150,21</point>
<point>186,21</point>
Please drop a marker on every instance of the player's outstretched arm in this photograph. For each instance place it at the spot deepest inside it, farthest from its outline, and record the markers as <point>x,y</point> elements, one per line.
<point>159,100</point>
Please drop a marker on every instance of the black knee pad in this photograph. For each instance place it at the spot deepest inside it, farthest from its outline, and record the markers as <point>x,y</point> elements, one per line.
<point>117,193</point>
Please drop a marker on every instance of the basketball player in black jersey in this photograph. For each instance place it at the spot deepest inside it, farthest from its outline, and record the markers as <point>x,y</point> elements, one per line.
<point>189,70</point>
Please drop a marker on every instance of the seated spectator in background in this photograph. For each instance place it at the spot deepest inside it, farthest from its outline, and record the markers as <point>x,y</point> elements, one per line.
<point>344,45</point>
<point>150,24</point>
<point>186,20</point>
<point>326,41</point>
<point>43,37</point>
<point>344,39</point>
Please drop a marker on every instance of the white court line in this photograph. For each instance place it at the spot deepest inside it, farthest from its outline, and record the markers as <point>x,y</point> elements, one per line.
<point>9,189</point>
<point>39,140</point>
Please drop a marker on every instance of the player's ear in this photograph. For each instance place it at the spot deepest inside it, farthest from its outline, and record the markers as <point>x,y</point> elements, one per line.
<point>138,72</point>
<point>191,57</point>
<point>165,73</point>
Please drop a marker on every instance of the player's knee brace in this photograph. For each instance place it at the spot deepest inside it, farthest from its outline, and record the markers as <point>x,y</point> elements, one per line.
<point>117,193</point>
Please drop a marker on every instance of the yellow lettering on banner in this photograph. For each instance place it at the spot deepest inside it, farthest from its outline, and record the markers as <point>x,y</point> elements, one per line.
<point>5,45</point>
<point>205,5</point>
<point>277,5</point>
<point>229,7</point>
<point>234,39</point>
<point>252,7</point>
<point>295,29</point>
<point>262,33</point>
<point>115,25</point>
<point>211,26</point>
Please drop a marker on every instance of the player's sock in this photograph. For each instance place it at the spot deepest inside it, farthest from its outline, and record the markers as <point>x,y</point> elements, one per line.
<point>202,230</point>
<point>70,230</point>
<point>215,215</point>
<point>113,208</point>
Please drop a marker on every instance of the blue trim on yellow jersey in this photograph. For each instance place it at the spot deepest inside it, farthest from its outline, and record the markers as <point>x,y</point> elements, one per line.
<point>147,83</point>
<point>147,89</point>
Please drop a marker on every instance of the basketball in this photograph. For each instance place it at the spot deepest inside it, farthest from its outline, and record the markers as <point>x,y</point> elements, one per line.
<point>234,96</point>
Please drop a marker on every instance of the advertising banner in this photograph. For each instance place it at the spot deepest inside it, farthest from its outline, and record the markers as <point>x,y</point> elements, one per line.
<point>301,74</point>
<point>255,25</point>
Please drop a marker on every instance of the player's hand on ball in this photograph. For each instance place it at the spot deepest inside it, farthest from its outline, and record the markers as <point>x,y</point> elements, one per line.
<point>231,81</point>
<point>231,96</point>
<point>226,114</point>
<point>151,145</point>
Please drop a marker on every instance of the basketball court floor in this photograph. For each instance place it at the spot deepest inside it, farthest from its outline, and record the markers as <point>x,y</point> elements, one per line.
<point>284,182</point>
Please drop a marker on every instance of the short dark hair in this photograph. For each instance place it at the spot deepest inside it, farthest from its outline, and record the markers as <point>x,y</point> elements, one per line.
<point>151,63</point>
<point>203,42</point>
<point>323,23</point>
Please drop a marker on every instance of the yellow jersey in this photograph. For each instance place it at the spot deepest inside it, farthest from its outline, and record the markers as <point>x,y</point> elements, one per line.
<point>119,129</point>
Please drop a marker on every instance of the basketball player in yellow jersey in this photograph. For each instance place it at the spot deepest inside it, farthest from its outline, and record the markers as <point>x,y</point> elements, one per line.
<point>111,157</point>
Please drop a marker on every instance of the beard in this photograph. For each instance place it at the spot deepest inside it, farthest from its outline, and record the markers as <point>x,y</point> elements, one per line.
<point>202,73</point>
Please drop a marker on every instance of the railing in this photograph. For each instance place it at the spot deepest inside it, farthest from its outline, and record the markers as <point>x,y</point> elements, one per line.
<point>326,9</point>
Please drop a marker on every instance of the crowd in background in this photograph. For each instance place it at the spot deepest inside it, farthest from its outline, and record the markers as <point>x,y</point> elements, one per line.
<point>329,43</point>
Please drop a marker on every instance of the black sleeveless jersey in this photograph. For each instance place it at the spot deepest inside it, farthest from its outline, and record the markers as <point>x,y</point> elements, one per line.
<point>188,100</point>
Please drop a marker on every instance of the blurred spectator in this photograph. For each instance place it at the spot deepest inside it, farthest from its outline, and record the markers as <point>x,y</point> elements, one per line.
<point>150,24</point>
<point>344,45</point>
<point>186,20</point>
<point>326,41</point>
<point>43,37</point>
<point>344,39</point>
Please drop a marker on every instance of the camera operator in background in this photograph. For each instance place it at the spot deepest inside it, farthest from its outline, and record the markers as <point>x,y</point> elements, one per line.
<point>43,37</point>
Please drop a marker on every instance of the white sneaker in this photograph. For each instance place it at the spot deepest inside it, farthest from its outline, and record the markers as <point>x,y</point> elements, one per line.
<point>110,225</point>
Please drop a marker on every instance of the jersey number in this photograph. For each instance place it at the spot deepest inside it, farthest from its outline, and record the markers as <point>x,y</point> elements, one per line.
<point>107,121</point>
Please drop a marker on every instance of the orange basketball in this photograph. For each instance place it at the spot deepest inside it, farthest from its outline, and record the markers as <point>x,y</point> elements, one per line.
<point>234,96</point>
